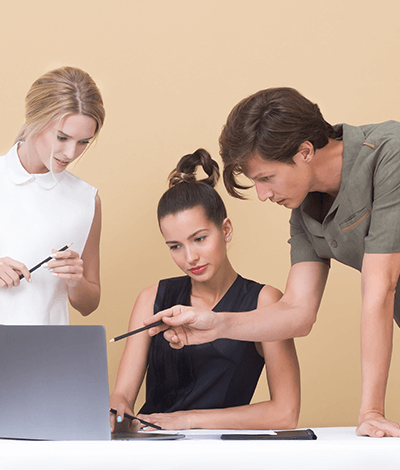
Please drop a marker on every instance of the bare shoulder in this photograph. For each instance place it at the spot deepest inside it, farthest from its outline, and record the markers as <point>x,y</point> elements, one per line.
<point>268,295</point>
<point>143,307</point>
<point>147,295</point>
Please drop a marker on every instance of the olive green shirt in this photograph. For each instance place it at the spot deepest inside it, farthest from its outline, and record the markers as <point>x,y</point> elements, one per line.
<point>365,215</point>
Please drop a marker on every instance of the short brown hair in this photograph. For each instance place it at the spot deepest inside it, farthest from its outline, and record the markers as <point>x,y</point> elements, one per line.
<point>272,124</point>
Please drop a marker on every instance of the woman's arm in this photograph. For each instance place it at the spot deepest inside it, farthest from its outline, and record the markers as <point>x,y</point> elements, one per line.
<point>280,412</point>
<point>292,316</point>
<point>133,365</point>
<point>82,275</point>
<point>380,273</point>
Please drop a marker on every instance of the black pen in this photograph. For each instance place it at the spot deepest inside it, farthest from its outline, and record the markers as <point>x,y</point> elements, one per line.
<point>126,415</point>
<point>117,338</point>
<point>45,260</point>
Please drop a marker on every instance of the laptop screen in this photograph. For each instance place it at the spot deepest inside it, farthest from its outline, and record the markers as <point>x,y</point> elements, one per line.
<point>54,383</point>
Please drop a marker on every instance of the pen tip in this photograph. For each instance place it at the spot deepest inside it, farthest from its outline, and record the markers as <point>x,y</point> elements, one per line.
<point>111,340</point>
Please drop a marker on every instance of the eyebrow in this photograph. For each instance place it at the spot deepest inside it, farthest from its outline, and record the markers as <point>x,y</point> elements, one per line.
<point>261,174</point>
<point>258,175</point>
<point>66,135</point>
<point>253,178</point>
<point>193,235</point>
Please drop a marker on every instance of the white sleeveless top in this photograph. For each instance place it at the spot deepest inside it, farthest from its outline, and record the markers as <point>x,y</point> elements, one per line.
<point>38,213</point>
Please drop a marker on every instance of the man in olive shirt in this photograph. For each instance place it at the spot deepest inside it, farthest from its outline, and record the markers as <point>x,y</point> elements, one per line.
<point>343,186</point>
<point>365,215</point>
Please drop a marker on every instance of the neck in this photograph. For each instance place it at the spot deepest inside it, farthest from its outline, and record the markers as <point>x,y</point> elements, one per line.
<point>209,293</point>
<point>328,168</point>
<point>29,160</point>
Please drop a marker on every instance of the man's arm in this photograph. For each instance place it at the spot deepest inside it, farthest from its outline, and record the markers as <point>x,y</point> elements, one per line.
<point>293,316</point>
<point>380,273</point>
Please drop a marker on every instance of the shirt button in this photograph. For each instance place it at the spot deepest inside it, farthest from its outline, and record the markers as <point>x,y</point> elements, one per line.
<point>334,243</point>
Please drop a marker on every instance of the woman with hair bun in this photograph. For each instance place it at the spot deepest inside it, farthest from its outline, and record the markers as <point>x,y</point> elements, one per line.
<point>44,207</point>
<point>211,385</point>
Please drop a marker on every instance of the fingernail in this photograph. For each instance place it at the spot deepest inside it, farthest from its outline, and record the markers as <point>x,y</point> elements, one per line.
<point>45,265</point>
<point>55,274</point>
<point>119,419</point>
<point>145,428</point>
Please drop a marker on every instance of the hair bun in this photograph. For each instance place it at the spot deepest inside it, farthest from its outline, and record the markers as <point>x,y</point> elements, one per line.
<point>176,178</point>
<point>185,170</point>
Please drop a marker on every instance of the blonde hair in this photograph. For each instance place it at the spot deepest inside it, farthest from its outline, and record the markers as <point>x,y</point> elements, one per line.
<point>67,90</point>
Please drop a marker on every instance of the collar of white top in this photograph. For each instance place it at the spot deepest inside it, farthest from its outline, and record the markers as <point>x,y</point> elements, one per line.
<point>19,175</point>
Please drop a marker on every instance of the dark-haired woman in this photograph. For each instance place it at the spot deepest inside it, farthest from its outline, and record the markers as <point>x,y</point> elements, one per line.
<point>211,385</point>
<point>342,184</point>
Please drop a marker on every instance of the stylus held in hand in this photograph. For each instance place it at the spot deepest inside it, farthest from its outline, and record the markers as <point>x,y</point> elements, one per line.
<point>45,261</point>
<point>128,416</point>
<point>139,330</point>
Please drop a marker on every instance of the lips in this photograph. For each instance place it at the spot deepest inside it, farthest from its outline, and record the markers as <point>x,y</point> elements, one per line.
<point>198,269</point>
<point>280,202</point>
<point>60,162</point>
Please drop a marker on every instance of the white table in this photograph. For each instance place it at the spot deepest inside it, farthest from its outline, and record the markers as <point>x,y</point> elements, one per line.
<point>335,448</point>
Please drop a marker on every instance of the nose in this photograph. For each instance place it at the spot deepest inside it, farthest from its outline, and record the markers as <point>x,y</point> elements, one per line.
<point>70,150</point>
<point>263,192</point>
<point>192,256</point>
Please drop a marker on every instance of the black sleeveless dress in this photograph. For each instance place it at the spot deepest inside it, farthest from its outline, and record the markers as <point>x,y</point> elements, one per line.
<point>220,374</point>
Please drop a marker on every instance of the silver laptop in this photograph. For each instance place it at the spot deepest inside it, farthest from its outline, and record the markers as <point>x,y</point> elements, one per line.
<point>54,383</point>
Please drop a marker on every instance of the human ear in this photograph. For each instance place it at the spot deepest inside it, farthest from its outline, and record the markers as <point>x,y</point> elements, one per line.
<point>227,229</point>
<point>306,150</point>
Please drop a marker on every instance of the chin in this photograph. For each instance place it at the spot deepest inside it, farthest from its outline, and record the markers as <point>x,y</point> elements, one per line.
<point>293,205</point>
<point>199,277</point>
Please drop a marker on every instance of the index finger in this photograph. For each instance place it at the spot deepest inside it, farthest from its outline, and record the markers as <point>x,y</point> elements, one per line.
<point>112,421</point>
<point>158,316</point>
<point>22,270</point>
<point>173,316</point>
<point>25,273</point>
<point>64,254</point>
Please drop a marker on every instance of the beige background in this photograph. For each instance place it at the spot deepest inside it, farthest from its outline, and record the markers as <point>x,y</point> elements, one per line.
<point>170,71</point>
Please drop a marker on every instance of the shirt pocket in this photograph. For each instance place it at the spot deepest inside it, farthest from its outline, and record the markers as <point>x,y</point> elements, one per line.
<point>354,219</point>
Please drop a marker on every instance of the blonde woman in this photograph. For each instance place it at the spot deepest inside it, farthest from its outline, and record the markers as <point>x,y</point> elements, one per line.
<point>44,207</point>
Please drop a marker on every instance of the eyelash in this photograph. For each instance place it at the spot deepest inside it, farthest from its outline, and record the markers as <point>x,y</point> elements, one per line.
<point>63,139</point>
<point>198,240</point>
